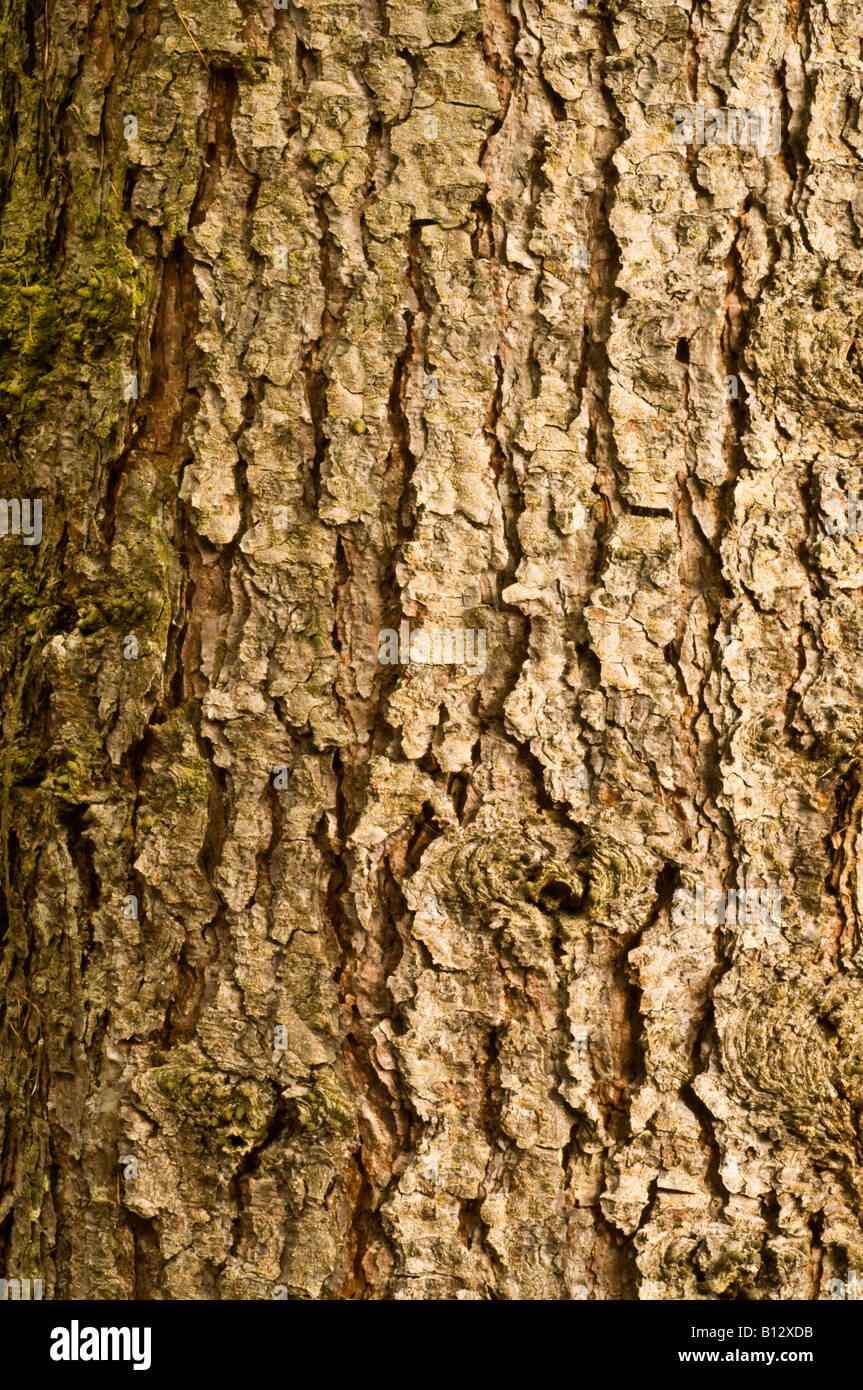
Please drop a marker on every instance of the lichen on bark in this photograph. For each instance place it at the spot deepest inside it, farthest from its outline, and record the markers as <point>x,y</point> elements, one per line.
<point>323,319</point>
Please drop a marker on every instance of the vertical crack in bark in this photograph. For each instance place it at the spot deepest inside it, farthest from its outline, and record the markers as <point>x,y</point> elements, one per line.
<point>453,1025</point>
<point>816,1254</point>
<point>317,357</point>
<point>602,301</point>
<point>841,850</point>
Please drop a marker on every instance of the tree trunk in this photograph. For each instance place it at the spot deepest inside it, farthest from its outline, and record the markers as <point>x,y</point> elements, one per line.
<point>518,959</point>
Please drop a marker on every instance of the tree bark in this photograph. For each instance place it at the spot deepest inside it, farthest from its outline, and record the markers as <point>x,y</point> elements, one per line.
<point>330,976</point>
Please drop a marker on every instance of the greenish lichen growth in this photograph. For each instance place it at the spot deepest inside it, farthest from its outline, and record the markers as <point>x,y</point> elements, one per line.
<point>228,1114</point>
<point>324,1110</point>
<point>192,780</point>
<point>50,320</point>
<point>136,609</point>
<point>30,323</point>
<point>72,782</point>
<point>25,597</point>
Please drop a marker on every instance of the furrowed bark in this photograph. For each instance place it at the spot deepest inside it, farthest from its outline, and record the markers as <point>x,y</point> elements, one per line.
<point>353,978</point>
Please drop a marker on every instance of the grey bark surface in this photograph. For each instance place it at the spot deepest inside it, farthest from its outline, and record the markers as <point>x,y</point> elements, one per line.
<point>380,312</point>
